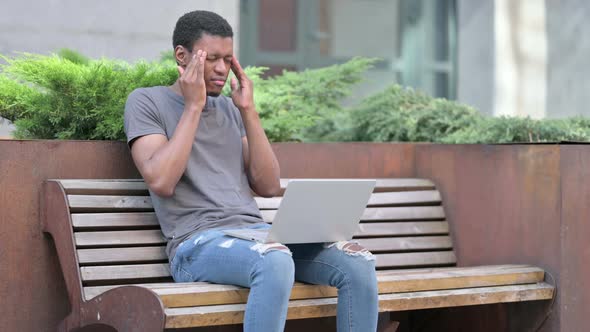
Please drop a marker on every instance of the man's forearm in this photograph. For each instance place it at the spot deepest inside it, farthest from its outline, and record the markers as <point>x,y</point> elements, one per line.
<point>168,163</point>
<point>264,170</point>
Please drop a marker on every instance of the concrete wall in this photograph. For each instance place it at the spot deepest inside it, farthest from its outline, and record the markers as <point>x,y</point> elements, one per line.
<point>475,54</point>
<point>521,58</point>
<point>568,83</point>
<point>130,29</point>
<point>135,29</point>
<point>376,37</point>
<point>6,128</point>
<point>518,57</point>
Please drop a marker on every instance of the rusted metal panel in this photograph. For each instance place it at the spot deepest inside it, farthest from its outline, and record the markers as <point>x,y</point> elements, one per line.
<point>503,203</point>
<point>347,160</point>
<point>54,208</point>
<point>33,295</point>
<point>575,255</point>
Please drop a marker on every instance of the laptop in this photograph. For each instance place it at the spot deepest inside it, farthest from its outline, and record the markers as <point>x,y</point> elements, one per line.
<point>314,211</point>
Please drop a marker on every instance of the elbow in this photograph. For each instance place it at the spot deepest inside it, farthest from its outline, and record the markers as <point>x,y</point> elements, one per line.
<point>161,189</point>
<point>270,191</point>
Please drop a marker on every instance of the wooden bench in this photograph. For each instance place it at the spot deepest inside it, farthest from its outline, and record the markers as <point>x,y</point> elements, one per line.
<point>111,252</point>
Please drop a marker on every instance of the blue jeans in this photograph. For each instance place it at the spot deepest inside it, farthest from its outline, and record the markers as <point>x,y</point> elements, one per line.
<point>269,270</point>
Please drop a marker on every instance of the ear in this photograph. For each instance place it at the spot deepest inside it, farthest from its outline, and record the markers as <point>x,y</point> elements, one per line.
<point>181,55</point>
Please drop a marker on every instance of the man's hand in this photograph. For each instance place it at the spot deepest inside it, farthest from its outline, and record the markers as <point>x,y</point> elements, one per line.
<point>242,94</point>
<point>192,82</point>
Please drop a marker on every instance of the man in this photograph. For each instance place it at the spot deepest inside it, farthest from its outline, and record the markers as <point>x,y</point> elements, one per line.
<point>201,153</point>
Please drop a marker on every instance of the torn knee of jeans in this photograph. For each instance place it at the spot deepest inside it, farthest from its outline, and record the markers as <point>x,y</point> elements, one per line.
<point>352,248</point>
<point>263,248</point>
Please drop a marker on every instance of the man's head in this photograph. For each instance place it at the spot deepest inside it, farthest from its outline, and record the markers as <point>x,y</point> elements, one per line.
<point>207,31</point>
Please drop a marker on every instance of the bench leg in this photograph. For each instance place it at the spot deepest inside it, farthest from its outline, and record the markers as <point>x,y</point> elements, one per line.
<point>127,308</point>
<point>70,323</point>
<point>385,324</point>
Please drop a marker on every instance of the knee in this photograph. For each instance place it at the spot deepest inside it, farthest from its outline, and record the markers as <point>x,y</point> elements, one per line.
<point>362,273</point>
<point>358,265</point>
<point>275,271</point>
<point>281,265</point>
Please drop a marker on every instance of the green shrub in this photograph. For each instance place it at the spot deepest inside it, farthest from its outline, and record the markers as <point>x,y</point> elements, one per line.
<point>68,96</point>
<point>16,99</point>
<point>404,115</point>
<point>511,130</point>
<point>294,102</point>
<point>400,114</point>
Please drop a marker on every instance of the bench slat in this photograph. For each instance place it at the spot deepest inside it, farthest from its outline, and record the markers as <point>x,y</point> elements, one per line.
<point>114,220</point>
<point>377,199</point>
<point>403,228</point>
<point>202,293</point>
<point>415,259</point>
<point>151,237</point>
<point>105,187</point>
<point>387,213</point>
<point>124,272</point>
<point>146,219</point>
<point>90,203</point>
<point>149,254</point>
<point>404,213</point>
<point>298,309</point>
<point>119,238</point>
<point>122,255</point>
<point>405,198</point>
<point>406,243</point>
<point>150,271</point>
<point>134,186</point>
<point>392,184</point>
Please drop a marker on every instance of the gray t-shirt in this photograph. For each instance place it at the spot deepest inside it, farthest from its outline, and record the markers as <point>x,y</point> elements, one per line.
<point>214,191</point>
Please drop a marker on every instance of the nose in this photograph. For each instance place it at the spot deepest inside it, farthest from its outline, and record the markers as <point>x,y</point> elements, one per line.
<point>220,67</point>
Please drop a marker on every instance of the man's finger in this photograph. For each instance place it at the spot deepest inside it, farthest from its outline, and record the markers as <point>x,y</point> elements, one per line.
<point>195,64</point>
<point>191,64</point>
<point>180,70</point>
<point>201,65</point>
<point>234,84</point>
<point>237,69</point>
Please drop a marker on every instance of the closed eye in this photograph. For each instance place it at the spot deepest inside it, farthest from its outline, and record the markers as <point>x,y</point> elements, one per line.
<point>215,58</point>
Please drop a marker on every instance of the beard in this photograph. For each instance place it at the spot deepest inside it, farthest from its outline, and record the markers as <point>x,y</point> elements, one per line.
<point>213,94</point>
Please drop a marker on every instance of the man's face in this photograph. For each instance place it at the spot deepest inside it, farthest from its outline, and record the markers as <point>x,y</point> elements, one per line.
<point>220,51</point>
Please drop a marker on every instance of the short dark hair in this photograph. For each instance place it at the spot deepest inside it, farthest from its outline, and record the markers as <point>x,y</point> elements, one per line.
<point>191,26</point>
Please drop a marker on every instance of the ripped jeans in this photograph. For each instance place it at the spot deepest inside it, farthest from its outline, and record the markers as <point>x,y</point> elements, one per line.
<point>269,270</point>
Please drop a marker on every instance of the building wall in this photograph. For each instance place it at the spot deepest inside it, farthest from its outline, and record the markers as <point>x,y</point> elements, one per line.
<point>6,128</point>
<point>556,85</point>
<point>520,58</point>
<point>129,30</point>
<point>568,83</point>
<point>475,54</point>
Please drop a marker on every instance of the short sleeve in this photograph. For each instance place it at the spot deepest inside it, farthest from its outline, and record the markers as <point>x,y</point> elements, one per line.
<point>237,117</point>
<point>141,116</point>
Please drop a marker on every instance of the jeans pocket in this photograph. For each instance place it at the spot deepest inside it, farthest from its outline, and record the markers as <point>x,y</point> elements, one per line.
<point>178,271</point>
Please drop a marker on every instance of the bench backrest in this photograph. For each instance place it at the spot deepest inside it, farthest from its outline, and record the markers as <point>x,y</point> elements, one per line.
<point>118,239</point>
